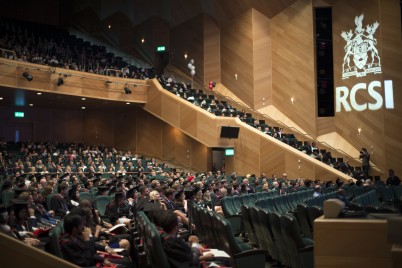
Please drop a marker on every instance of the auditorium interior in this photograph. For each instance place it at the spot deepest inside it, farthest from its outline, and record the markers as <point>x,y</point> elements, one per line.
<point>299,93</point>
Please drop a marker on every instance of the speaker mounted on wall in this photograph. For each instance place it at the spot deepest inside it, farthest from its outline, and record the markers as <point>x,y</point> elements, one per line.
<point>229,132</point>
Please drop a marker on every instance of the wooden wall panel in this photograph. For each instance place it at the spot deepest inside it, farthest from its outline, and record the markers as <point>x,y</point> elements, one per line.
<point>262,60</point>
<point>255,151</point>
<point>188,38</point>
<point>378,128</point>
<point>392,64</point>
<point>74,126</point>
<point>325,125</point>
<point>199,155</point>
<point>293,73</point>
<point>75,84</point>
<point>59,128</point>
<point>125,128</point>
<point>149,135</point>
<point>171,111</point>
<point>272,159</point>
<point>187,122</point>
<point>303,169</point>
<point>169,142</point>
<point>212,55</point>
<point>237,57</point>
<point>247,152</point>
<point>183,149</point>
<point>98,127</point>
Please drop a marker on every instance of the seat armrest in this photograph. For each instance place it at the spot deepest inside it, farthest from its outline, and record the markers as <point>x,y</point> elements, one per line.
<point>306,248</point>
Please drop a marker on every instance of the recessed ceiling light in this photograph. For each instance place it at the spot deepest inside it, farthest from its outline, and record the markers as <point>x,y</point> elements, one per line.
<point>31,104</point>
<point>127,103</point>
<point>39,93</point>
<point>1,98</point>
<point>83,108</point>
<point>83,98</point>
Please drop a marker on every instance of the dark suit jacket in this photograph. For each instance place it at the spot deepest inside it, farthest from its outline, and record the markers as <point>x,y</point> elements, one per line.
<point>59,205</point>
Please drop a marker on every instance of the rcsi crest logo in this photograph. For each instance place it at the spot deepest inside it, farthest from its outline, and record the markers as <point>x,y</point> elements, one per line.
<point>361,48</point>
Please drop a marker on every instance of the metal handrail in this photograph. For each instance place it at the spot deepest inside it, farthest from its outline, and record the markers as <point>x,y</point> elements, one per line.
<point>281,124</point>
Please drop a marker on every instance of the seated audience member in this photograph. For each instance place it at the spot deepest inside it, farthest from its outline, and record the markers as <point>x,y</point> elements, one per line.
<point>392,178</point>
<point>99,229</point>
<point>58,203</point>
<point>317,191</point>
<point>118,210</point>
<point>340,194</point>
<point>76,244</point>
<point>178,252</point>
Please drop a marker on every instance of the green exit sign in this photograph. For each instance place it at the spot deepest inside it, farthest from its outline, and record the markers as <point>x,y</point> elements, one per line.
<point>19,114</point>
<point>160,48</point>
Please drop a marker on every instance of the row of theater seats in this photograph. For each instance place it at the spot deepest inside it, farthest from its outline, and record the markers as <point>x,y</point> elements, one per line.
<point>149,244</point>
<point>275,237</point>
<point>370,203</point>
<point>279,235</point>
<point>216,231</point>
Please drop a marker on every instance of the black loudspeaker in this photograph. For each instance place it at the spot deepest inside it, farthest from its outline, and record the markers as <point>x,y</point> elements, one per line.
<point>230,132</point>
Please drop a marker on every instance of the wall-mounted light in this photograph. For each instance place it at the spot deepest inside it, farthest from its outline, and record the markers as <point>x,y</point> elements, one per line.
<point>185,55</point>
<point>27,76</point>
<point>292,100</point>
<point>359,130</point>
<point>60,81</point>
<point>127,90</point>
<point>109,26</point>
<point>142,40</point>
<point>236,76</point>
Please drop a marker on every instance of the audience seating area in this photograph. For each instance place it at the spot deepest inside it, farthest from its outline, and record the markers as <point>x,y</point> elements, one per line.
<point>48,45</point>
<point>212,104</point>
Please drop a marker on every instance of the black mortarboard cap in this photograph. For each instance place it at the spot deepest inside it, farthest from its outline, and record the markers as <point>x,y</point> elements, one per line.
<point>3,208</point>
<point>131,192</point>
<point>63,177</point>
<point>18,203</point>
<point>118,195</point>
<point>102,188</point>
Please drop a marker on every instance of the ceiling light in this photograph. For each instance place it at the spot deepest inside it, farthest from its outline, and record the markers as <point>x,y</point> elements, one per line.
<point>83,98</point>
<point>31,104</point>
<point>39,93</point>
<point>1,98</point>
<point>127,103</point>
<point>83,107</point>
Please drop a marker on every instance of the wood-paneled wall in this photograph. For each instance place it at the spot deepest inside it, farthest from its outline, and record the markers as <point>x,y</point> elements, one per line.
<point>212,52</point>
<point>379,129</point>
<point>237,57</point>
<point>293,73</point>
<point>188,38</point>
<point>262,60</point>
<point>75,83</point>
<point>255,152</point>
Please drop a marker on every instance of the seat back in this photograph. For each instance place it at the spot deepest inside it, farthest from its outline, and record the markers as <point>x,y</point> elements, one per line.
<point>48,198</point>
<point>101,203</point>
<point>303,220</point>
<point>294,243</point>
<point>267,234</point>
<point>7,196</point>
<point>53,245</point>
<point>255,220</point>
<point>274,219</point>
<point>227,206</point>
<point>85,196</point>
<point>247,224</point>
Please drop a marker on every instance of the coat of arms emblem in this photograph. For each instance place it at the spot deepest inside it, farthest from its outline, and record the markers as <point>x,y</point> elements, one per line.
<point>361,49</point>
